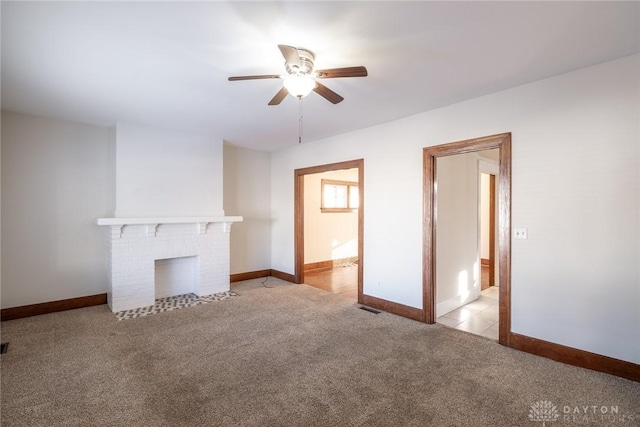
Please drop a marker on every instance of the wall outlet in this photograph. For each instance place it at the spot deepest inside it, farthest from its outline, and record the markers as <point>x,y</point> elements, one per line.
<point>520,233</point>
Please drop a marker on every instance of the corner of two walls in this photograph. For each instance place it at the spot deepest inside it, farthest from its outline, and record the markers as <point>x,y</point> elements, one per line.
<point>58,177</point>
<point>247,192</point>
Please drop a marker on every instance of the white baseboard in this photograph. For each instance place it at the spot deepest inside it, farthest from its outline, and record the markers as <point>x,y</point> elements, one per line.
<point>451,304</point>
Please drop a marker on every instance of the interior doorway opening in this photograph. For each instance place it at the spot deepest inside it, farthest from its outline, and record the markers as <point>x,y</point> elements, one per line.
<point>433,220</point>
<point>329,212</point>
<point>466,296</point>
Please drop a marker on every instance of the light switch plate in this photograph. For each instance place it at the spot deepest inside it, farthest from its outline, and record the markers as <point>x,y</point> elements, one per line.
<point>520,233</point>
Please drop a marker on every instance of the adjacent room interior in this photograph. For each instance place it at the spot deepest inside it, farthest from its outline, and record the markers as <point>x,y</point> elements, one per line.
<point>331,202</point>
<point>466,236</point>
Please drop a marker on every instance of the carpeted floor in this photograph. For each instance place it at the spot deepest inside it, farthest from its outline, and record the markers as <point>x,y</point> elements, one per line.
<point>289,355</point>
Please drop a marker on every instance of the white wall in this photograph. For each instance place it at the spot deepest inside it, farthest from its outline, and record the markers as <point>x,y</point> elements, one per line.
<point>57,178</point>
<point>489,164</point>
<point>576,187</point>
<point>457,262</point>
<point>485,188</point>
<point>328,236</point>
<point>166,173</point>
<point>247,192</point>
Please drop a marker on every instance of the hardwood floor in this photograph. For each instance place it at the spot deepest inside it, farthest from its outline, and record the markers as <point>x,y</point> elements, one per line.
<point>344,280</point>
<point>339,280</point>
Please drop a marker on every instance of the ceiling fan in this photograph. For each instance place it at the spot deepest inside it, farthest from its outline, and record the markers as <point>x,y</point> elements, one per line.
<point>300,78</point>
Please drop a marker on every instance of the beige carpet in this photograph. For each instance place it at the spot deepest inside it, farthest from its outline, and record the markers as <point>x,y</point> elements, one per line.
<point>289,355</point>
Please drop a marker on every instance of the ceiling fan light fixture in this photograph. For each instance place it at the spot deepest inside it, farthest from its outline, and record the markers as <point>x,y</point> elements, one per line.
<point>299,85</point>
<point>300,79</point>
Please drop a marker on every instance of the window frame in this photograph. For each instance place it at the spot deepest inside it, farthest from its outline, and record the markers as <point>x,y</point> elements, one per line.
<point>334,182</point>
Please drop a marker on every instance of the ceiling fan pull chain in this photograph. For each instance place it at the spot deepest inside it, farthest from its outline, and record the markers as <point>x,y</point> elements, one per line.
<point>300,122</point>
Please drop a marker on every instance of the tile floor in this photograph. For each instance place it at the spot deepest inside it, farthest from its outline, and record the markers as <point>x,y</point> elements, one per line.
<point>174,303</point>
<point>478,317</point>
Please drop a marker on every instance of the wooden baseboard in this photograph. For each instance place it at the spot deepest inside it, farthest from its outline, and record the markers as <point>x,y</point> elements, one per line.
<point>318,266</point>
<point>393,307</point>
<point>249,275</point>
<point>549,350</point>
<point>52,307</point>
<point>284,276</point>
<point>262,273</point>
<point>576,357</point>
<point>99,299</point>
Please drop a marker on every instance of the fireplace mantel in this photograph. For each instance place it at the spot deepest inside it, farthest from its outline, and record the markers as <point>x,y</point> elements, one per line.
<point>153,222</point>
<point>168,220</point>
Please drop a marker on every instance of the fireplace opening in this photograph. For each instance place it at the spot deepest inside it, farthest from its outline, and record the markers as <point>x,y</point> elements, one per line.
<point>176,276</point>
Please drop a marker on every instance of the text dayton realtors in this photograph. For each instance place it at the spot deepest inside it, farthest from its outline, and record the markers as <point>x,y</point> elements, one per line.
<point>594,413</point>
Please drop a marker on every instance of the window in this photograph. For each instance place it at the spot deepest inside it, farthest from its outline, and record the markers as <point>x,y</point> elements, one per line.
<point>339,196</point>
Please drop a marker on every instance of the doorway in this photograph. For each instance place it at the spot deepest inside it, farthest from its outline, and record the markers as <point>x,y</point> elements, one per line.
<point>465,299</point>
<point>347,191</point>
<point>488,169</point>
<point>502,143</point>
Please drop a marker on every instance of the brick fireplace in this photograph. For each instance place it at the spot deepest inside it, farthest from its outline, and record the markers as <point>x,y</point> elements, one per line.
<point>195,250</point>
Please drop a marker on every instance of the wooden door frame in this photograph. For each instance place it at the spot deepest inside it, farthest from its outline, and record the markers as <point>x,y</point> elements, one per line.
<point>430,154</point>
<point>299,175</point>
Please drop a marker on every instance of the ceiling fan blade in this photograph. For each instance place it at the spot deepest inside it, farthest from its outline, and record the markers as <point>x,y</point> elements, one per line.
<point>282,94</point>
<point>332,73</point>
<point>327,93</point>
<point>291,55</point>
<point>264,76</point>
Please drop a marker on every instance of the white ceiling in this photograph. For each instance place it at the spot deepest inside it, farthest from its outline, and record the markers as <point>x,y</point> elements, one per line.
<point>166,64</point>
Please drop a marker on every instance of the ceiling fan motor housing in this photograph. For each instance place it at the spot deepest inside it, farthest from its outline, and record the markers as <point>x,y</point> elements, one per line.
<point>306,63</point>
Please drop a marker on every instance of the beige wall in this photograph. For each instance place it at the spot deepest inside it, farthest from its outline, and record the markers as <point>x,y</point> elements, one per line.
<point>457,262</point>
<point>57,179</point>
<point>485,189</point>
<point>328,236</point>
<point>247,192</point>
<point>162,173</point>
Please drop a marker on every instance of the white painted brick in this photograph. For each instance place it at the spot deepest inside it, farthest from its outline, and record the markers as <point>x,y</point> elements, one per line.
<point>133,255</point>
